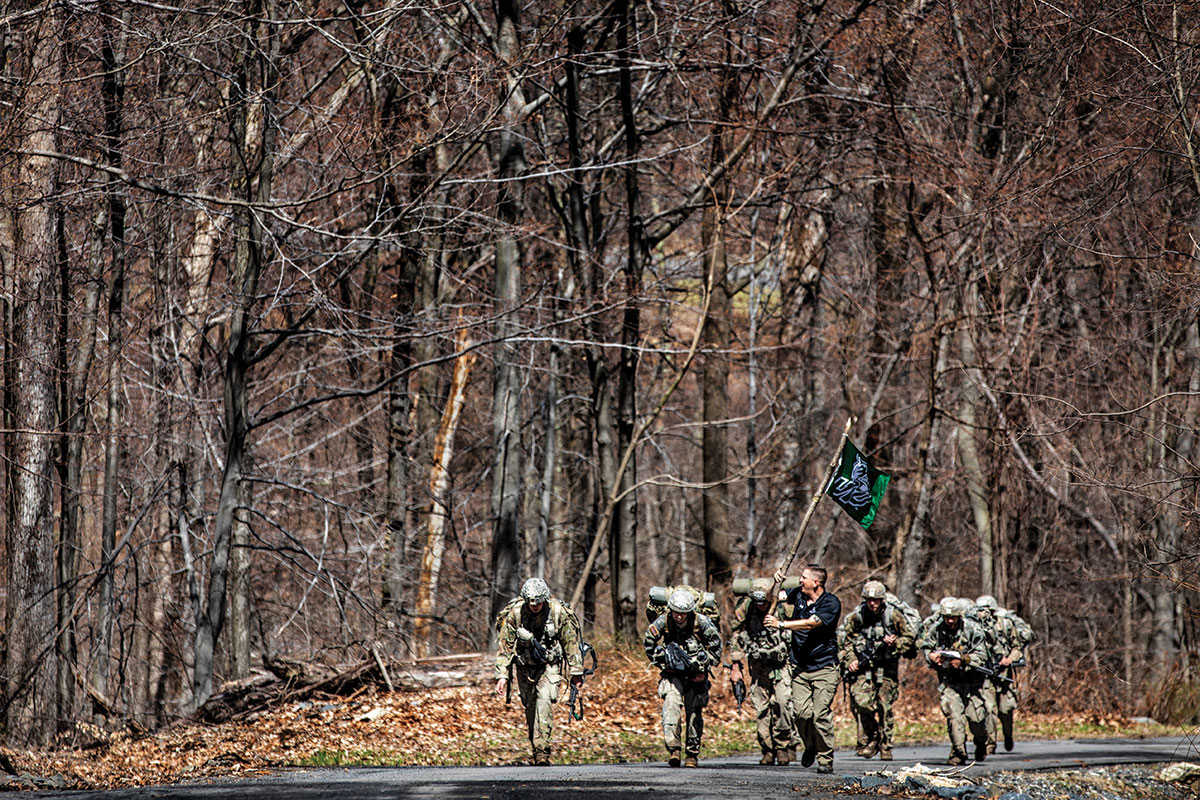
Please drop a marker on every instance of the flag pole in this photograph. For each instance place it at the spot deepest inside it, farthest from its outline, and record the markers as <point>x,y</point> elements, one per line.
<point>812,506</point>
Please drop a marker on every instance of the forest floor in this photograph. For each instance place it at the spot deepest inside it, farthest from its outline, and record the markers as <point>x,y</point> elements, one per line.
<point>471,725</point>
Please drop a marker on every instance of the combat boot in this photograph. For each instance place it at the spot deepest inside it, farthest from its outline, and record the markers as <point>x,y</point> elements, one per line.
<point>991,748</point>
<point>672,758</point>
<point>956,758</point>
<point>867,750</point>
<point>885,755</point>
<point>768,758</point>
<point>541,758</point>
<point>692,760</point>
<point>784,756</point>
<point>981,752</point>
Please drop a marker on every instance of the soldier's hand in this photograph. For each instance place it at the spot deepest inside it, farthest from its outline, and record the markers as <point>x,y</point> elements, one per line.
<point>577,681</point>
<point>890,639</point>
<point>936,658</point>
<point>852,666</point>
<point>1004,662</point>
<point>501,685</point>
<point>771,621</point>
<point>956,663</point>
<point>735,672</point>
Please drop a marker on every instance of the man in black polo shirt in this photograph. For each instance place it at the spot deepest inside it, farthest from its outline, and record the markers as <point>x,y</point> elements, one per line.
<point>813,659</point>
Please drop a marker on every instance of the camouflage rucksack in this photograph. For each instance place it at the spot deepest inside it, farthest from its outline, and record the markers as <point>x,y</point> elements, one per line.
<point>706,602</point>
<point>1024,630</point>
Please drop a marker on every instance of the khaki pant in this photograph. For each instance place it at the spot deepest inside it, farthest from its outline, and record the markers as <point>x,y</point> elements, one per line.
<point>812,707</point>
<point>683,701</point>
<point>872,695</point>
<point>1001,701</point>
<point>771,694</point>
<point>964,707</point>
<point>538,687</point>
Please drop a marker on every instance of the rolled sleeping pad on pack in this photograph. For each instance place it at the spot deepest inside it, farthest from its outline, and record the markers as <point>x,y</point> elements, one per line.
<point>741,586</point>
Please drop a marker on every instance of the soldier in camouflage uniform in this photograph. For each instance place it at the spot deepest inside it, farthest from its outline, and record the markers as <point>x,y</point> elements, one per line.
<point>955,646</point>
<point>764,652</point>
<point>1000,691</point>
<point>871,640</point>
<point>538,637</point>
<point>684,646</point>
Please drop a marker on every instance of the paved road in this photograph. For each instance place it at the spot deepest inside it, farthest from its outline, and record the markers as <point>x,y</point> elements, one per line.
<point>725,778</point>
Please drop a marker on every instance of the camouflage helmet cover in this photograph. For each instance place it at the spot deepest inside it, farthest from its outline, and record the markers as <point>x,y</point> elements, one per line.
<point>945,602</point>
<point>759,589</point>
<point>874,590</point>
<point>957,607</point>
<point>986,601</point>
<point>682,601</point>
<point>535,590</point>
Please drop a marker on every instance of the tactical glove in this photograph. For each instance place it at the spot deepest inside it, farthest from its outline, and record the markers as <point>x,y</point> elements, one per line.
<point>524,635</point>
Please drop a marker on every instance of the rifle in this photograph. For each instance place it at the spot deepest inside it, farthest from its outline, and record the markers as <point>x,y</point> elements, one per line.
<point>739,686</point>
<point>508,685</point>
<point>867,656</point>
<point>584,650</point>
<point>536,649</point>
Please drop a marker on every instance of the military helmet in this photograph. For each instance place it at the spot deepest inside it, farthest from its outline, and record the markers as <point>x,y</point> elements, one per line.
<point>945,602</point>
<point>535,590</point>
<point>957,607</point>
<point>682,601</point>
<point>986,601</point>
<point>759,589</point>
<point>874,590</point>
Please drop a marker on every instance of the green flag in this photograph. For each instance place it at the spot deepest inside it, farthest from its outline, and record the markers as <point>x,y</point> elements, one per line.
<point>857,486</point>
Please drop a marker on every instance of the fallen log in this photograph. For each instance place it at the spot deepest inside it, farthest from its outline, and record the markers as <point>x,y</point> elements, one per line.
<point>286,681</point>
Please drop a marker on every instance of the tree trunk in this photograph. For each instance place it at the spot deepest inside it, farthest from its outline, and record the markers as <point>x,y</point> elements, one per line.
<point>112,94</point>
<point>506,398</point>
<point>252,170</point>
<point>30,676</point>
<point>718,547</point>
<point>977,493</point>
<point>239,579</point>
<point>624,533</point>
<point>439,482</point>
<point>75,406</point>
<point>910,549</point>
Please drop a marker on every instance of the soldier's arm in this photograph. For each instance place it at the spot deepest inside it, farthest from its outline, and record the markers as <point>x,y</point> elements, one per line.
<point>927,645</point>
<point>505,648</point>
<point>847,638</point>
<point>975,653</point>
<point>712,642</point>
<point>652,641</point>
<point>1014,651</point>
<point>741,640</point>
<point>905,635</point>
<point>568,637</point>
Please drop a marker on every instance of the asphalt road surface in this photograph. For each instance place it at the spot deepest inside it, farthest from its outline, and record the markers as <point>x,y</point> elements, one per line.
<point>731,777</point>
